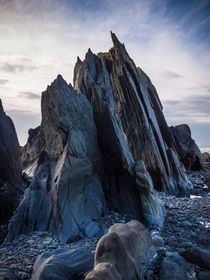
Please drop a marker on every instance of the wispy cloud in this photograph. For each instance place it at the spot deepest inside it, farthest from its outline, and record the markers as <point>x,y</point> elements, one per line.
<point>15,68</point>
<point>29,95</point>
<point>4,81</point>
<point>171,75</point>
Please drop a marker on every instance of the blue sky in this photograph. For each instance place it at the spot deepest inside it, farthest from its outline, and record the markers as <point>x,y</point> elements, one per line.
<point>169,39</point>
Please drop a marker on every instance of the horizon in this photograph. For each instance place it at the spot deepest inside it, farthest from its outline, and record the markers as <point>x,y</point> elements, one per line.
<point>170,42</point>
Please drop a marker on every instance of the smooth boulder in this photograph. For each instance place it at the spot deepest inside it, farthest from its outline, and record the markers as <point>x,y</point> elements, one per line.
<point>198,256</point>
<point>124,253</point>
<point>63,264</point>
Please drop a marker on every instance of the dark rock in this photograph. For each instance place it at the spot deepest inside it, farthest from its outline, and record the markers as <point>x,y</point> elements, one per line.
<point>6,274</point>
<point>63,264</point>
<point>66,191</point>
<point>117,256</point>
<point>174,267</point>
<point>203,275</point>
<point>198,256</point>
<point>152,206</point>
<point>186,147</point>
<point>11,187</point>
<point>123,96</point>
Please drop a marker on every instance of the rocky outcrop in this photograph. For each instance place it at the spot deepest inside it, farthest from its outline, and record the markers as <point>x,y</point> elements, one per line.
<point>117,256</point>
<point>66,192</point>
<point>125,101</point>
<point>188,151</point>
<point>63,264</point>
<point>11,187</point>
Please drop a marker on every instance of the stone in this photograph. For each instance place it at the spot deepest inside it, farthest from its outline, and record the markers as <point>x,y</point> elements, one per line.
<point>186,147</point>
<point>6,274</point>
<point>198,256</point>
<point>11,186</point>
<point>66,190</point>
<point>175,267</point>
<point>125,101</point>
<point>63,264</point>
<point>152,207</point>
<point>203,275</point>
<point>124,253</point>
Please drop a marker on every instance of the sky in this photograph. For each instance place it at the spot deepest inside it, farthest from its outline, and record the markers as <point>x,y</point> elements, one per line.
<point>168,39</point>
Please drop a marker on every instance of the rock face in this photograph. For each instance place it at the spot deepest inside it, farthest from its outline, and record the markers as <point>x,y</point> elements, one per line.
<point>66,192</point>
<point>125,101</point>
<point>152,207</point>
<point>186,147</point>
<point>124,253</point>
<point>63,264</point>
<point>11,186</point>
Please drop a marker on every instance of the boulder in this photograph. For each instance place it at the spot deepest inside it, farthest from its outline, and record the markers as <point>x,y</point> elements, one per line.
<point>175,267</point>
<point>125,100</point>
<point>188,151</point>
<point>63,264</point>
<point>124,253</point>
<point>66,192</point>
<point>11,186</point>
<point>6,274</point>
<point>198,256</point>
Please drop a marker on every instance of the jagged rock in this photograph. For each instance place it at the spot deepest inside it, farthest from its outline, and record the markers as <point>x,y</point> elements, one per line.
<point>186,147</point>
<point>175,267</point>
<point>63,264</point>
<point>66,192</point>
<point>153,209</point>
<point>198,256</point>
<point>123,96</point>
<point>6,274</point>
<point>124,253</point>
<point>11,187</point>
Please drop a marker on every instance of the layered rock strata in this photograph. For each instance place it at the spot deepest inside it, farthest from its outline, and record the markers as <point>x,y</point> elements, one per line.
<point>118,90</point>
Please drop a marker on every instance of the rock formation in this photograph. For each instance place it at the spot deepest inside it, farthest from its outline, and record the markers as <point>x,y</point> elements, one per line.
<point>188,151</point>
<point>124,253</point>
<point>66,192</point>
<point>122,96</point>
<point>11,187</point>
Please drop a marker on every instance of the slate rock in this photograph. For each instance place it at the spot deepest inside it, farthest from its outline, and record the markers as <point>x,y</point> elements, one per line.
<point>174,267</point>
<point>186,147</point>
<point>66,190</point>
<point>11,186</point>
<point>123,96</point>
<point>63,264</point>
<point>198,256</point>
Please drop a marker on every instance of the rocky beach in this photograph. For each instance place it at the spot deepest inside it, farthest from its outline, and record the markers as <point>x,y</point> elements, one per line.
<point>103,188</point>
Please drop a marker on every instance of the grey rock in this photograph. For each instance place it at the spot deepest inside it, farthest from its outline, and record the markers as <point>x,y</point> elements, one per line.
<point>66,190</point>
<point>203,275</point>
<point>153,209</point>
<point>123,96</point>
<point>186,147</point>
<point>63,264</point>
<point>6,274</point>
<point>117,256</point>
<point>198,256</point>
<point>11,186</point>
<point>174,267</point>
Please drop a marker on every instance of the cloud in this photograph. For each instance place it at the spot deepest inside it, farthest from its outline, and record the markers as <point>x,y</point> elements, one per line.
<point>15,68</point>
<point>29,95</point>
<point>193,108</point>
<point>4,81</point>
<point>171,75</point>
